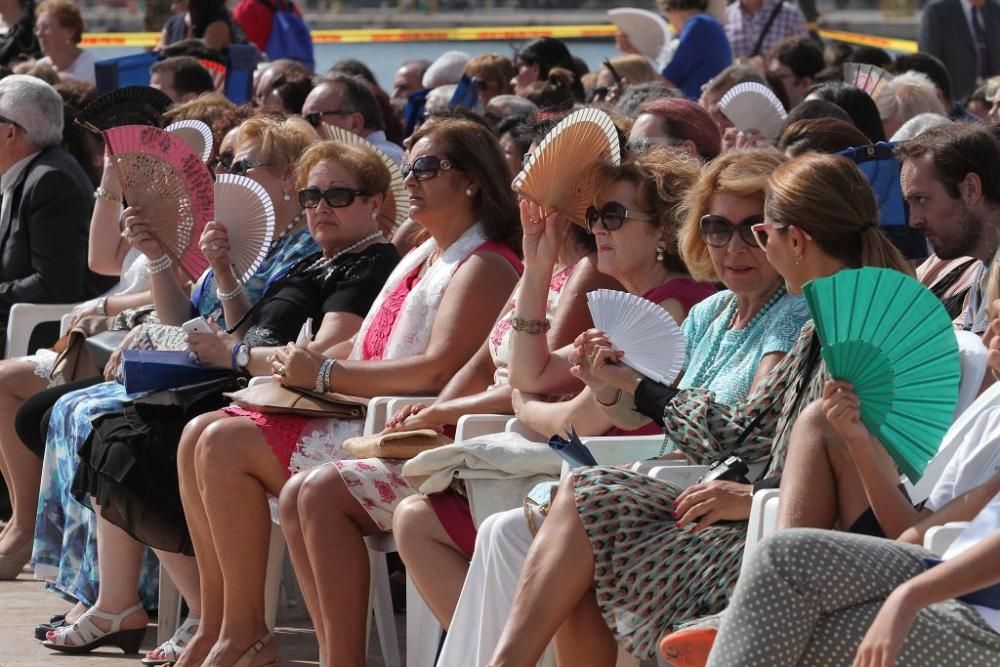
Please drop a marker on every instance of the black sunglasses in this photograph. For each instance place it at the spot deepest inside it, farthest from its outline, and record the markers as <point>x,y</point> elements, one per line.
<point>424,167</point>
<point>717,230</point>
<point>243,167</point>
<point>612,215</point>
<point>337,197</point>
<point>316,117</point>
<point>223,161</point>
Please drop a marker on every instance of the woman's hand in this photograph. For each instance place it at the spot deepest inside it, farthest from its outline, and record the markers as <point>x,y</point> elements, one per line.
<point>707,503</point>
<point>296,366</point>
<point>214,244</point>
<point>115,360</point>
<point>415,417</point>
<point>212,349</point>
<point>842,409</point>
<point>139,235</point>
<point>109,177</point>
<point>80,311</point>
<point>887,632</point>
<point>584,345</point>
<point>602,364</point>
<point>543,234</point>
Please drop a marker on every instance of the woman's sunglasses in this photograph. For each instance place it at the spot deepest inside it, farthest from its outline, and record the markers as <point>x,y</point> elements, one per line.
<point>334,197</point>
<point>243,167</point>
<point>612,215</point>
<point>762,232</point>
<point>717,230</point>
<point>223,162</point>
<point>424,167</point>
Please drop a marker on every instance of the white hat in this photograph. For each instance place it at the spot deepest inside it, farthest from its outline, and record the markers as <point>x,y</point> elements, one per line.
<point>446,69</point>
<point>648,32</point>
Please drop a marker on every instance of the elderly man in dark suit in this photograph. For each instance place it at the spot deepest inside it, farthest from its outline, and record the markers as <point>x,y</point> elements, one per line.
<point>965,36</point>
<point>45,201</point>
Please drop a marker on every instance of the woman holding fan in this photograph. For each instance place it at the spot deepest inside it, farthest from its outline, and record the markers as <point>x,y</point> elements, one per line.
<point>576,586</point>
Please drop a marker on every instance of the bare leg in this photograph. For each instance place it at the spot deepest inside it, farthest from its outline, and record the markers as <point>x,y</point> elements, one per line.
<point>210,577</point>
<point>237,469</point>
<point>820,483</point>
<point>558,575</point>
<point>333,527</point>
<point>584,638</point>
<point>22,470</point>
<point>434,562</point>
<point>183,571</point>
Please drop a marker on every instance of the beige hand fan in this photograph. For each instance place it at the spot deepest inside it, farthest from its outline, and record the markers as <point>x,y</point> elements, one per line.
<point>648,32</point>
<point>195,134</point>
<point>753,106</point>
<point>244,208</point>
<point>162,175</point>
<point>394,207</point>
<point>875,81</point>
<point>562,174</point>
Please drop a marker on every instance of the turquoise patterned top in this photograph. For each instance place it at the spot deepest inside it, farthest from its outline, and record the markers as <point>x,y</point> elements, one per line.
<point>724,361</point>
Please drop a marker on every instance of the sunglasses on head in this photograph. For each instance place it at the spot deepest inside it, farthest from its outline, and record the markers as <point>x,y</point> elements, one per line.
<point>717,230</point>
<point>243,167</point>
<point>424,167</point>
<point>612,215</point>
<point>335,197</point>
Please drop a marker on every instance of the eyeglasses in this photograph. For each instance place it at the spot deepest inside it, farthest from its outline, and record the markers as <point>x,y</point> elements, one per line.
<point>612,215</point>
<point>762,232</point>
<point>336,197</point>
<point>223,161</point>
<point>316,117</point>
<point>11,121</point>
<point>717,230</point>
<point>424,167</point>
<point>243,167</point>
<point>646,144</point>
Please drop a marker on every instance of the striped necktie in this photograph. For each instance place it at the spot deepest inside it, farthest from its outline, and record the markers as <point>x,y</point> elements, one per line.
<point>982,43</point>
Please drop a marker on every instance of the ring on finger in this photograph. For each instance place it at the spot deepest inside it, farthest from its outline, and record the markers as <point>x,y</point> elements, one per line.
<point>281,371</point>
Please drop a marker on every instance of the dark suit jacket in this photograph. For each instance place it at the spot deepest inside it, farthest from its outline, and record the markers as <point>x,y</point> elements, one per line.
<point>43,251</point>
<point>945,33</point>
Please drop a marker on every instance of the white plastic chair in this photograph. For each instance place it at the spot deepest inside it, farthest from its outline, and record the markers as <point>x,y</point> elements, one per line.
<point>939,538</point>
<point>23,319</point>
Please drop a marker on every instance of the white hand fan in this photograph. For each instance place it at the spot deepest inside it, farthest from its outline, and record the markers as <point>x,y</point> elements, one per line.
<point>394,212</point>
<point>753,106</point>
<point>243,206</point>
<point>647,31</point>
<point>195,134</point>
<point>873,80</point>
<point>650,338</point>
<point>562,173</point>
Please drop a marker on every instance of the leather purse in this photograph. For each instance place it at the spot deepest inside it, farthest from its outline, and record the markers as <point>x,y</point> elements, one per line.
<point>396,445</point>
<point>273,397</point>
<point>75,360</point>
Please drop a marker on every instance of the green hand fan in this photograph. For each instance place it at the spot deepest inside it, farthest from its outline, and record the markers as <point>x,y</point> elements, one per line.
<point>891,338</point>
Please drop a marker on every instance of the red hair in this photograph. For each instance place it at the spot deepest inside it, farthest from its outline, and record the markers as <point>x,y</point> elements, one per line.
<point>686,121</point>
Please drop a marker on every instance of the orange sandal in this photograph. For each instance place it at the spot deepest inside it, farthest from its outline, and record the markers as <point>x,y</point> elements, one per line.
<point>688,648</point>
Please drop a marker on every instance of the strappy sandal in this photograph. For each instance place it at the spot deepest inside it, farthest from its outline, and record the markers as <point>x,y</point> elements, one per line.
<point>246,660</point>
<point>86,636</point>
<point>174,647</point>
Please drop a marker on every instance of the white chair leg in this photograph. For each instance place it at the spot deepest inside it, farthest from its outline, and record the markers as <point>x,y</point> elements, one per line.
<point>423,633</point>
<point>272,582</point>
<point>168,608</point>
<point>380,601</point>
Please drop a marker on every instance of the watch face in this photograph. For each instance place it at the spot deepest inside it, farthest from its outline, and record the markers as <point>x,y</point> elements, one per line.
<point>243,356</point>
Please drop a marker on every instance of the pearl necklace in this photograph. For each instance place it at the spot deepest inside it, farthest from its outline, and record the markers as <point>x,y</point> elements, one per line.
<point>288,228</point>
<point>324,261</point>
<point>778,293</point>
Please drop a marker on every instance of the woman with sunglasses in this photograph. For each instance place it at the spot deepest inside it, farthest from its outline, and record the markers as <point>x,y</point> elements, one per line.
<point>819,218</point>
<point>65,540</point>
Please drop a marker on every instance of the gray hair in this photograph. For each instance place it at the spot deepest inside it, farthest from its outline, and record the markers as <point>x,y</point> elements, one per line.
<point>446,69</point>
<point>35,106</point>
<point>502,106</point>
<point>918,125</point>
<point>913,93</point>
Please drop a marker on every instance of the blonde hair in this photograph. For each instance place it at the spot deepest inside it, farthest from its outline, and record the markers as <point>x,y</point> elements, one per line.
<point>993,285</point>
<point>634,68</point>
<point>740,173</point>
<point>282,141</point>
<point>913,93</point>
<point>207,107</point>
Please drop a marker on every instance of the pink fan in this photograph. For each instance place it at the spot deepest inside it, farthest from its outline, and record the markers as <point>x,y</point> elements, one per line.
<point>162,175</point>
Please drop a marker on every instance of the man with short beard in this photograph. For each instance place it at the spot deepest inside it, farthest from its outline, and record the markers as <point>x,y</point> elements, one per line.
<point>951,180</point>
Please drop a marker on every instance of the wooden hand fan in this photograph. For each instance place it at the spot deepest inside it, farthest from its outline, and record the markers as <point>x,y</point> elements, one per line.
<point>562,174</point>
<point>174,188</point>
<point>244,208</point>
<point>650,338</point>
<point>394,206</point>
<point>753,106</point>
<point>891,338</point>
<point>872,79</point>
<point>195,134</point>
<point>132,105</point>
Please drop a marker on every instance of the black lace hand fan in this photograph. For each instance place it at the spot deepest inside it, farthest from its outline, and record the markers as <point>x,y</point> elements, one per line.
<point>394,208</point>
<point>162,175</point>
<point>753,106</point>
<point>562,174</point>
<point>132,105</point>
<point>650,338</point>
<point>195,134</point>
<point>891,338</point>
<point>244,208</point>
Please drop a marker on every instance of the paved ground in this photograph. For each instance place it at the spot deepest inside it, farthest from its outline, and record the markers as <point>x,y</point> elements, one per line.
<point>24,603</point>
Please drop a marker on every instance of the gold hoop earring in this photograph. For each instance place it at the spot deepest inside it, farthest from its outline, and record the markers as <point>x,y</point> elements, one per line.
<point>796,259</point>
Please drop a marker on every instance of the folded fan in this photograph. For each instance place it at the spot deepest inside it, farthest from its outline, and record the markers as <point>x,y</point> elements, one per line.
<point>394,211</point>
<point>562,173</point>
<point>891,338</point>
<point>753,106</point>
<point>195,134</point>
<point>244,208</point>
<point>169,182</point>
<point>873,80</point>
<point>132,105</point>
<point>650,338</point>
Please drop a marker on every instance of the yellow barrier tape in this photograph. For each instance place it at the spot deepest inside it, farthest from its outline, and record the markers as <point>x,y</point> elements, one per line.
<point>473,34</point>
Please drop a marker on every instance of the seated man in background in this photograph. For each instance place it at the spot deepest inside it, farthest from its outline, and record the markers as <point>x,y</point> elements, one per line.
<point>181,78</point>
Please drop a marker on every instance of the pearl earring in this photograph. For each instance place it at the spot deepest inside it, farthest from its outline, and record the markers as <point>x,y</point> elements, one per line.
<point>374,216</point>
<point>660,253</point>
<point>285,196</point>
<point>469,192</point>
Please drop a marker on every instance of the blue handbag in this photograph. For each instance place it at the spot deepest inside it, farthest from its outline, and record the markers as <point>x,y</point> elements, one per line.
<point>154,370</point>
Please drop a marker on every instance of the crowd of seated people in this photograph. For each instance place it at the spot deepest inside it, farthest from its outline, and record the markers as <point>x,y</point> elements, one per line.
<point>477,303</point>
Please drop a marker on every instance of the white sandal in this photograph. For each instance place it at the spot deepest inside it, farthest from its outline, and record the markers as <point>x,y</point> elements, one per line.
<point>174,647</point>
<point>86,636</point>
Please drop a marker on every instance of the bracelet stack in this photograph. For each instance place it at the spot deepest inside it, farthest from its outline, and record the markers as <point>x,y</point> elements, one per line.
<point>324,376</point>
<point>160,264</point>
<point>533,327</point>
<point>229,296</point>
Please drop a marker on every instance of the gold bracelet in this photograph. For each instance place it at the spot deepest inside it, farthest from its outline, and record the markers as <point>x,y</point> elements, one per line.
<point>101,193</point>
<point>618,397</point>
<point>533,327</point>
